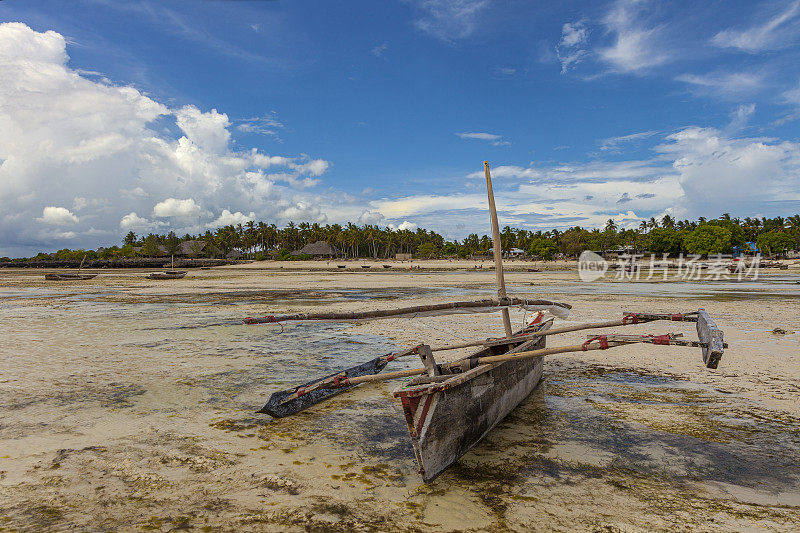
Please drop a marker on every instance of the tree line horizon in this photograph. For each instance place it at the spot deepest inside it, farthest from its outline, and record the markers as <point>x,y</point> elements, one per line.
<point>259,240</point>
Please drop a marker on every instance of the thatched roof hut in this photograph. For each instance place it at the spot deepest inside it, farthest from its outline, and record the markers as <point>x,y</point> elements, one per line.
<point>317,249</point>
<point>193,247</point>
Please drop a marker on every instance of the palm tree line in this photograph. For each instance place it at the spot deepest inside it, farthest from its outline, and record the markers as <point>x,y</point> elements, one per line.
<point>260,240</point>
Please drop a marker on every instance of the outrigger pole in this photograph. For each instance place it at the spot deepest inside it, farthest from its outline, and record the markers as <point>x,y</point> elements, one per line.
<point>418,310</point>
<point>498,250</point>
<point>290,401</point>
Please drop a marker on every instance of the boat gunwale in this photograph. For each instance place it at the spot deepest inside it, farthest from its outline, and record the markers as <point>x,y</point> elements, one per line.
<point>459,378</point>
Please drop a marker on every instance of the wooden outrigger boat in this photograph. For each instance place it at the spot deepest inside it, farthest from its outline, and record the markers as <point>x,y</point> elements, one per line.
<point>68,276</point>
<point>167,274</point>
<point>450,407</point>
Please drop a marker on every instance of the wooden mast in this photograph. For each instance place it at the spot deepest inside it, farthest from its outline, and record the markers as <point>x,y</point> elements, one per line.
<point>498,250</point>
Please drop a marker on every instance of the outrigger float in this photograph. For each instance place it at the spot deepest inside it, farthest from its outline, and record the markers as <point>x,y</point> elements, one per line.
<point>450,407</point>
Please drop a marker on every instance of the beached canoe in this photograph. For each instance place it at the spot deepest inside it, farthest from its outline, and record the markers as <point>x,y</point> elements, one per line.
<point>68,276</point>
<point>169,274</point>
<point>448,414</point>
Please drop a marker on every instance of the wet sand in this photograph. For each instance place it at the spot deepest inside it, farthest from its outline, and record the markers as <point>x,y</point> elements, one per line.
<point>129,404</point>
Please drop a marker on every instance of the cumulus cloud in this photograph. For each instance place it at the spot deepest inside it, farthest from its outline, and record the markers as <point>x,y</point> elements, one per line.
<point>303,211</point>
<point>69,139</point>
<point>58,216</point>
<point>718,173</point>
<point>777,32</point>
<point>406,225</point>
<point>691,172</point>
<point>132,221</point>
<point>371,217</point>
<point>226,218</point>
<point>172,207</point>
<point>209,130</point>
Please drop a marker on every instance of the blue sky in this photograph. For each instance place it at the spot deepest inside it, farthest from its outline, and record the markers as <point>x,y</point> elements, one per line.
<point>151,116</point>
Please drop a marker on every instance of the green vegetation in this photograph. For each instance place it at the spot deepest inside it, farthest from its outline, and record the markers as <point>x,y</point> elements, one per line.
<point>266,241</point>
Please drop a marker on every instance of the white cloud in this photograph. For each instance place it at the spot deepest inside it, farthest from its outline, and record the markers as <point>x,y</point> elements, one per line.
<point>723,174</point>
<point>410,205</point>
<point>314,167</point>
<point>378,51</point>
<point>303,212</point>
<point>132,221</point>
<point>740,116</point>
<point>263,125</point>
<point>226,218</point>
<point>450,20</point>
<point>136,192</point>
<point>496,140</point>
<point>692,172</point>
<point>69,140</point>
<point>371,217</point>
<point>792,96</point>
<point>406,225</point>
<point>172,207</point>
<point>80,202</point>
<point>636,47</point>
<point>615,143</point>
<point>779,31</point>
<point>571,50</point>
<point>725,84</point>
<point>209,130</point>
<point>58,216</point>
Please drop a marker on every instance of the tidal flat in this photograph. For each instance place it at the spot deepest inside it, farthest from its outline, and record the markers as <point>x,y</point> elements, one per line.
<point>130,404</point>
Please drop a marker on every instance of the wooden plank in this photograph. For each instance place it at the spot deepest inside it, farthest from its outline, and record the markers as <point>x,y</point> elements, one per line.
<point>711,336</point>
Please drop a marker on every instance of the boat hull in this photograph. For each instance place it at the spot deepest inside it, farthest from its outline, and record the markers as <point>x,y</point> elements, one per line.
<point>166,275</point>
<point>446,419</point>
<point>68,277</point>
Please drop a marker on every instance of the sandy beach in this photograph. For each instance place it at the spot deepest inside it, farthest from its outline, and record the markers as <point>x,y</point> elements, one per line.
<point>130,404</point>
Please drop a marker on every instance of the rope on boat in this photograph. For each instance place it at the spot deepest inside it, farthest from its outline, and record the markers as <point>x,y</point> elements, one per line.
<point>602,340</point>
<point>267,319</point>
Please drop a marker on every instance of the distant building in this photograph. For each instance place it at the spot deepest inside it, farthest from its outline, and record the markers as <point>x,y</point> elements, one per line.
<point>319,250</point>
<point>514,252</point>
<point>191,248</point>
<point>402,257</point>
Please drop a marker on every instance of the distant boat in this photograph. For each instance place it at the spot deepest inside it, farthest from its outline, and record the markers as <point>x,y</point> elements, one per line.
<point>387,266</point>
<point>341,266</point>
<point>68,276</point>
<point>169,274</point>
<point>366,266</point>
